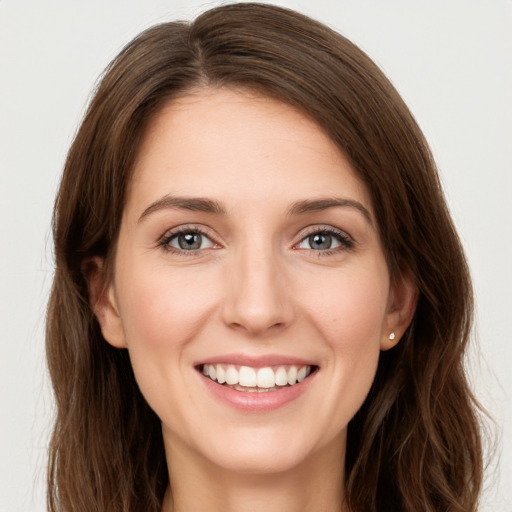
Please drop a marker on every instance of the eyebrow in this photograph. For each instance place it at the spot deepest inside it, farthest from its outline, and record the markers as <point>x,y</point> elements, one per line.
<point>200,204</point>
<point>316,205</point>
<point>195,204</point>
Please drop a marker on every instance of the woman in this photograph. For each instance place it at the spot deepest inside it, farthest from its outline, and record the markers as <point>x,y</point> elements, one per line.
<point>260,300</point>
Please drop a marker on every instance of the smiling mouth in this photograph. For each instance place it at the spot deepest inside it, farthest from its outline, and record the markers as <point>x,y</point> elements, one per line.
<point>257,380</point>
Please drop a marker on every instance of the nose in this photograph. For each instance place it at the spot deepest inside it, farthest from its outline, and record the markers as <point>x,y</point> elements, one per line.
<point>257,299</point>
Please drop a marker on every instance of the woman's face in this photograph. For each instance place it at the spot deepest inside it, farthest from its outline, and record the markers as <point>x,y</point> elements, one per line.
<point>248,250</point>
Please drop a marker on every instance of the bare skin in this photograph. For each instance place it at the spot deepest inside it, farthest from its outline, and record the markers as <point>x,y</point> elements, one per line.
<point>247,240</point>
<point>302,490</point>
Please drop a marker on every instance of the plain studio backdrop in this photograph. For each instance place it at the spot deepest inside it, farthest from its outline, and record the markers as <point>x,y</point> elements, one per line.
<point>450,60</point>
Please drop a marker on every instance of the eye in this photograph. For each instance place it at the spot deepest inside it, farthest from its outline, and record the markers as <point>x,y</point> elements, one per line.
<point>189,240</point>
<point>325,240</point>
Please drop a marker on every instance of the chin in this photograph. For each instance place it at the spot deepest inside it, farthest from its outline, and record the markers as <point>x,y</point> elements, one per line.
<point>262,462</point>
<point>264,451</point>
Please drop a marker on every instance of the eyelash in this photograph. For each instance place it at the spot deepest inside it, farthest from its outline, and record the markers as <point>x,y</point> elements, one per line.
<point>167,238</point>
<point>346,242</point>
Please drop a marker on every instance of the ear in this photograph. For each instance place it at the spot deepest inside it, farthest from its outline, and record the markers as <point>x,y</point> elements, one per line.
<point>403,297</point>
<point>103,301</point>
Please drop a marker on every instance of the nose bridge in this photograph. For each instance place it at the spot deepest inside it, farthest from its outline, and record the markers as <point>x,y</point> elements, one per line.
<point>256,296</point>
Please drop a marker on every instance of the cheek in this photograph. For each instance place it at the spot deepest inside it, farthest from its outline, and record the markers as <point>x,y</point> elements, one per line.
<point>161,312</point>
<point>348,314</point>
<point>162,308</point>
<point>350,308</point>
<point>352,328</point>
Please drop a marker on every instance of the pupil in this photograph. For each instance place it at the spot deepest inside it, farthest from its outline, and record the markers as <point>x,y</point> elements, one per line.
<point>189,241</point>
<point>320,241</point>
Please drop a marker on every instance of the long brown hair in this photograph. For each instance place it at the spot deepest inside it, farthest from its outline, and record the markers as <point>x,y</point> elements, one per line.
<point>415,443</point>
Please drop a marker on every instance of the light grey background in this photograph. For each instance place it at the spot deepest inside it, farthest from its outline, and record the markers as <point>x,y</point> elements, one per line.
<point>452,62</point>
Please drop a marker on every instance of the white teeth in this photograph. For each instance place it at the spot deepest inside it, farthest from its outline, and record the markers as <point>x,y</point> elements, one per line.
<point>292,375</point>
<point>231,375</point>
<point>221,374</point>
<point>265,378</point>
<point>246,378</point>
<point>281,377</point>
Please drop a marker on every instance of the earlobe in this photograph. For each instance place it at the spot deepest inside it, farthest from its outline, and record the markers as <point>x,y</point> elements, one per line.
<point>403,298</point>
<point>103,302</point>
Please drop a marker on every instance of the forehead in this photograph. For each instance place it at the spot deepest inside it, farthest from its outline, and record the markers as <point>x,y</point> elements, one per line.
<point>238,144</point>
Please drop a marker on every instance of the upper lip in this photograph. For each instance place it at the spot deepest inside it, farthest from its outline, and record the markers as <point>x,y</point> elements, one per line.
<point>256,361</point>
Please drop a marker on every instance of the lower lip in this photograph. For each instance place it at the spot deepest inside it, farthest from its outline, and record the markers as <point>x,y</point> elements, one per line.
<point>257,401</point>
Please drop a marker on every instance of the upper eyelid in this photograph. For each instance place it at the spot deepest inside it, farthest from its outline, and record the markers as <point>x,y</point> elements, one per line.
<point>184,228</point>
<point>189,228</point>
<point>216,239</point>
<point>345,239</point>
<point>201,228</point>
<point>322,228</point>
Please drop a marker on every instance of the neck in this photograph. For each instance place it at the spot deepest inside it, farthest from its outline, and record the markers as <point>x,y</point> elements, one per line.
<point>197,484</point>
